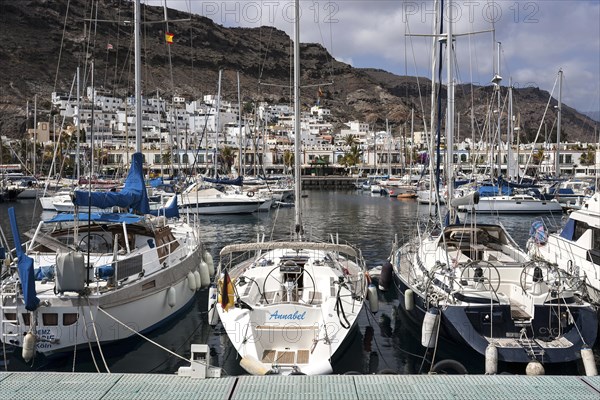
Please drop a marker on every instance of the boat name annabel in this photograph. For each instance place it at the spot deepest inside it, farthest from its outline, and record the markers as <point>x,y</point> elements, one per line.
<point>295,316</point>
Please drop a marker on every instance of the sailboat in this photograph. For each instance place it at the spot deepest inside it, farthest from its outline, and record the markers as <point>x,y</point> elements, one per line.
<point>288,306</point>
<point>90,279</point>
<point>472,284</point>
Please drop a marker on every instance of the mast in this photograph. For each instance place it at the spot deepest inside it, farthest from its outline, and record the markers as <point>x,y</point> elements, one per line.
<point>138,76</point>
<point>509,134</point>
<point>450,116</point>
<point>496,81</point>
<point>434,62</point>
<point>34,130</point>
<point>78,130</point>
<point>240,124</point>
<point>297,136</point>
<point>558,124</point>
<point>217,123</point>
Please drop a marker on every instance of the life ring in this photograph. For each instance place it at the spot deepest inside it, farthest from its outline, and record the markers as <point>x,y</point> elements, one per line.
<point>449,367</point>
<point>250,194</point>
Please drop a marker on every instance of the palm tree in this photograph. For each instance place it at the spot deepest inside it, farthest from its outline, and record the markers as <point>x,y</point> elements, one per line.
<point>350,141</point>
<point>352,157</point>
<point>227,158</point>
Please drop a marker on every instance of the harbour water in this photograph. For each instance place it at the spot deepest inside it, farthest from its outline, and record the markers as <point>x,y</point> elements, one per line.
<point>382,342</point>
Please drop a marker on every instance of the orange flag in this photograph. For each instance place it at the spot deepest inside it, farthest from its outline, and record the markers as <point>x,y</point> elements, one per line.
<point>169,37</point>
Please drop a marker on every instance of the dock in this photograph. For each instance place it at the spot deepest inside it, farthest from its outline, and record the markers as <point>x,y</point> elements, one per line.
<point>91,386</point>
<point>328,182</point>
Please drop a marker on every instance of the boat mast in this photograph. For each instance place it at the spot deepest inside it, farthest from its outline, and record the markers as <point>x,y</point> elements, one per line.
<point>138,76</point>
<point>217,124</point>
<point>450,115</point>
<point>558,124</point>
<point>240,124</point>
<point>297,136</point>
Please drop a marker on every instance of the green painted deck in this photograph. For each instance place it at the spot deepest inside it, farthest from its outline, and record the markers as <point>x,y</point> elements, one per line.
<point>90,386</point>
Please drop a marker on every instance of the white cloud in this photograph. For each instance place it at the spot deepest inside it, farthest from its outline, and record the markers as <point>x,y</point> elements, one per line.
<point>538,37</point>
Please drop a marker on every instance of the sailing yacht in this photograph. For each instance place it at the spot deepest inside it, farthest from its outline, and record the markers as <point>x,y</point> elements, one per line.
<point>472,284</point>
<point>90,279</point>
<point>288,306</point>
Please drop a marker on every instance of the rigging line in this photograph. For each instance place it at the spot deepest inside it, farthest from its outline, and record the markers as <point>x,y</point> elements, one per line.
<point>96,334</point>
<point>142,336</point>
<point>88,342</point>
<point>541,123</point>
<point>169,48</point>
<point>62,41</point>
<point>412,48</point>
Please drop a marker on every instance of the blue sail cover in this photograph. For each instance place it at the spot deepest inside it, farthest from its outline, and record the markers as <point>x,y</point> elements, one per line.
<point>24,266</point>
<point>171,211</point>
<point>133,196</point>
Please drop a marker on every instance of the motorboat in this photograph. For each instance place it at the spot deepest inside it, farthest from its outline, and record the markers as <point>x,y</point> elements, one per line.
<point>575,248</point>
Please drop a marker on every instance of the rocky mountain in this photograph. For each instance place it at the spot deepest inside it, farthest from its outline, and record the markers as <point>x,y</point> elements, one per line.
<point>46,40</point>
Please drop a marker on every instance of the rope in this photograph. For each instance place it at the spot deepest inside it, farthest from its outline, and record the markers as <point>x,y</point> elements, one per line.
<point>89,344</point>
<point>96,334</point>
<point>142,336</point>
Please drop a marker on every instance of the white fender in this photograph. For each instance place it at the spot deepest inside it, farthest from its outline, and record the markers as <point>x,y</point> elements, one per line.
<point>253,366</point>
<point>491,359</point>
<point>213,315</point>
<point>372,297</point>
<point>587,355</point>
<point>429,328</point>
<point>209,261</point>
<point>28,346</point>
<point>191,281</point>
<point>198,280</point>
<point>409,300</point>
<point>204,274</point>
<point>534,368</point>
<point>171,297</point>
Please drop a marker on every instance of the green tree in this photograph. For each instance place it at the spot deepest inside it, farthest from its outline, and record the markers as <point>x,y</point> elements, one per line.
<point>352,157</point>
<point>227,158</point>
<point>587,158</point>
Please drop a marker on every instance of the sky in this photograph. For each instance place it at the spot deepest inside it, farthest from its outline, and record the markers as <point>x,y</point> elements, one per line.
<point>538,38</point>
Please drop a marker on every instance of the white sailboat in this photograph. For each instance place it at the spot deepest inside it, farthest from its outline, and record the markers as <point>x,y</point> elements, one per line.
<point>90,279</point>
<point>472,284</point>
<point>288,306</point>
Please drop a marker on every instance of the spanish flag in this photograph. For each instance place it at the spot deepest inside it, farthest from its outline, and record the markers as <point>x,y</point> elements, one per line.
<point>169,37</point>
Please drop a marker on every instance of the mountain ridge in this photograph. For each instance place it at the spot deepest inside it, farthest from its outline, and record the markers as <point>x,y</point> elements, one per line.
<point>42,59</point>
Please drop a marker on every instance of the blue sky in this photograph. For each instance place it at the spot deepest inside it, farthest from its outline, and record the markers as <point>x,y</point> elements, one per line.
<point>538,37</point>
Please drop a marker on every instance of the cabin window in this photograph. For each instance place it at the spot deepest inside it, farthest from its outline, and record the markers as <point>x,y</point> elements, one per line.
<point>70,318</point>
<point>50,319</point>
<point>148,285</point>
<point>596,239</point>
<point>10,316</point>
<point>26,318</point>
<point>580,228</point>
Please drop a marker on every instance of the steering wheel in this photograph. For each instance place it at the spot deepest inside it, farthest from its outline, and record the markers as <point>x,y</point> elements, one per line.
<point>97,243</point>
<point>270,275</point>
<point>539,271</point>
<point>483,272</point>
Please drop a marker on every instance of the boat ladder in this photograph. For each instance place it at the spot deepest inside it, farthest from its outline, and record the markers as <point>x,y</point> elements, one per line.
<point>8,320</point>
<point>532,348</point>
